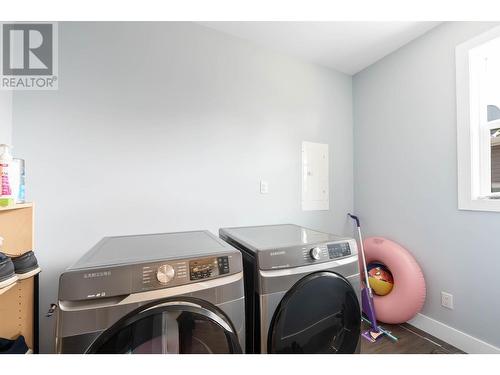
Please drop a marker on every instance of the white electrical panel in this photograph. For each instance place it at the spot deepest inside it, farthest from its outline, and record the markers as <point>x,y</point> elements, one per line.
<point>264,187</point>
<point>315,177</point>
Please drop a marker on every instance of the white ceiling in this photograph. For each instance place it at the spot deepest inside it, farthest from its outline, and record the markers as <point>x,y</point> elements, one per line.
<point>345,46</point>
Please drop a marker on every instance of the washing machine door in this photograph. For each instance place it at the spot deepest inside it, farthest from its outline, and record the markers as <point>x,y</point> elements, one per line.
<point>180,325</point>
<point>319,314</point>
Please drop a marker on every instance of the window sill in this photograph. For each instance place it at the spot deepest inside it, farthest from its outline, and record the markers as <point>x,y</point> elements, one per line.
<point>491,205</point>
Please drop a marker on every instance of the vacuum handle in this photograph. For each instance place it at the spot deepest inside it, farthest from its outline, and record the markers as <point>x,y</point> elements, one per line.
<point>354,217</point>
<point>362,251</point>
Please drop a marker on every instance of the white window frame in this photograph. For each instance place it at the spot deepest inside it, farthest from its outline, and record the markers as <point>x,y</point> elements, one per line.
<point>473,139</point>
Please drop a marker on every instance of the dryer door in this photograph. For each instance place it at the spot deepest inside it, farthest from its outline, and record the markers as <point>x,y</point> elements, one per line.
<point>172,325</point>
<point>319,314</point>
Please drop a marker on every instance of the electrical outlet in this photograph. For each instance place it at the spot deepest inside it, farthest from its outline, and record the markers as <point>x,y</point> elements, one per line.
<point>447,300</point>
<point>264,187</point>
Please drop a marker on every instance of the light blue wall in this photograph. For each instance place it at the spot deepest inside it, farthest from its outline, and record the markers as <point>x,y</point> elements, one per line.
<point>169,127</point>
<point>405,169</point>
<point>5,117</point>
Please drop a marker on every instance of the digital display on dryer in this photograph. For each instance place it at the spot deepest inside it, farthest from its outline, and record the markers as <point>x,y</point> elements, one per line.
<point>208,267</point>
<point>338,250</point>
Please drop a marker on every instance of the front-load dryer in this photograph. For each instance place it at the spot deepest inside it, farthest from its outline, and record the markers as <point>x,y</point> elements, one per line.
<point>302,289</point>
<point>160,293</point>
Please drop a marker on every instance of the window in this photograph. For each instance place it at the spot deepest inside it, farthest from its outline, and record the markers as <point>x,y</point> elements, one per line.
<point>478,122</point>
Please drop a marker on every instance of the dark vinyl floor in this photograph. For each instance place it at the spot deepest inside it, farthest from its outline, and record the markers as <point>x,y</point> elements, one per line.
<point>411,340</point>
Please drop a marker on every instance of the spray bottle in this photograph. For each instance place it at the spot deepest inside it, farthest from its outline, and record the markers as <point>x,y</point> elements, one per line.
<point>6,194</point>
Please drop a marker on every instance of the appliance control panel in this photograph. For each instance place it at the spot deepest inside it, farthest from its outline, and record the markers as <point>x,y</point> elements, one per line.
<point>181,272</point>
<point>178,272</point>
<point>135,278</point>
<point>327,251</point>
<point>307,254</point>
<point>315,253</point>
<point>208,267</point>
<point>338,250</point>
<point>155,275</point>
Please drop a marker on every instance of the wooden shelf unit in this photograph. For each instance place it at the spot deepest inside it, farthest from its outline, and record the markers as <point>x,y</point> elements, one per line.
<point>19,302</point>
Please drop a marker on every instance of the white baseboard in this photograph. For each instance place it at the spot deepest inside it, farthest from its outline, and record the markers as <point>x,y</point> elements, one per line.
<point>452,336</point>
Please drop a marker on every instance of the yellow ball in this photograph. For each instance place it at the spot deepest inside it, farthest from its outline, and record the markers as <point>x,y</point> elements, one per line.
<point>380,287</point>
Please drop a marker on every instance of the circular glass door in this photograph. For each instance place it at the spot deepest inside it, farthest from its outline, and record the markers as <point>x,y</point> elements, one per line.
<point>177,326</point>
<point>319,314</point>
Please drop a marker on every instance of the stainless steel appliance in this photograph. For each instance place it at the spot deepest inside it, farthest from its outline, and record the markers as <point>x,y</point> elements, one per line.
<point>302,289</point>
<point>160,293</point>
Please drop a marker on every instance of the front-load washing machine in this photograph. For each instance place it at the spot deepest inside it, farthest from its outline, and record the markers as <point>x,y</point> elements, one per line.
<point>302,289</point>
<point>160,293</point>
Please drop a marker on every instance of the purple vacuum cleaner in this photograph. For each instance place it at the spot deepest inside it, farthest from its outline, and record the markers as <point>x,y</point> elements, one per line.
<point>375,331</point>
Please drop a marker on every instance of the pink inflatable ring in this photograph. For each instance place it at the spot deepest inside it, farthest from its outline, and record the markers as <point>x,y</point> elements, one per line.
<point>408,294</point>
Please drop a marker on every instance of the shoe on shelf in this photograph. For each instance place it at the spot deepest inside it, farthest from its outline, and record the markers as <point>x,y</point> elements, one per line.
<point>7,271</point>
<point>26,265</point>
<point>17,346</point>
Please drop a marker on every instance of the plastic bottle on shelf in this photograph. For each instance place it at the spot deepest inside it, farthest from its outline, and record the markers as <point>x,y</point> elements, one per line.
<point>7,196</point>
<point>17,180</point>
<point>21,197</point>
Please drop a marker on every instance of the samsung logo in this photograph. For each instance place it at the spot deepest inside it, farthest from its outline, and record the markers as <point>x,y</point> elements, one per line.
<point>96,274</point>
<point>274,253</point>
